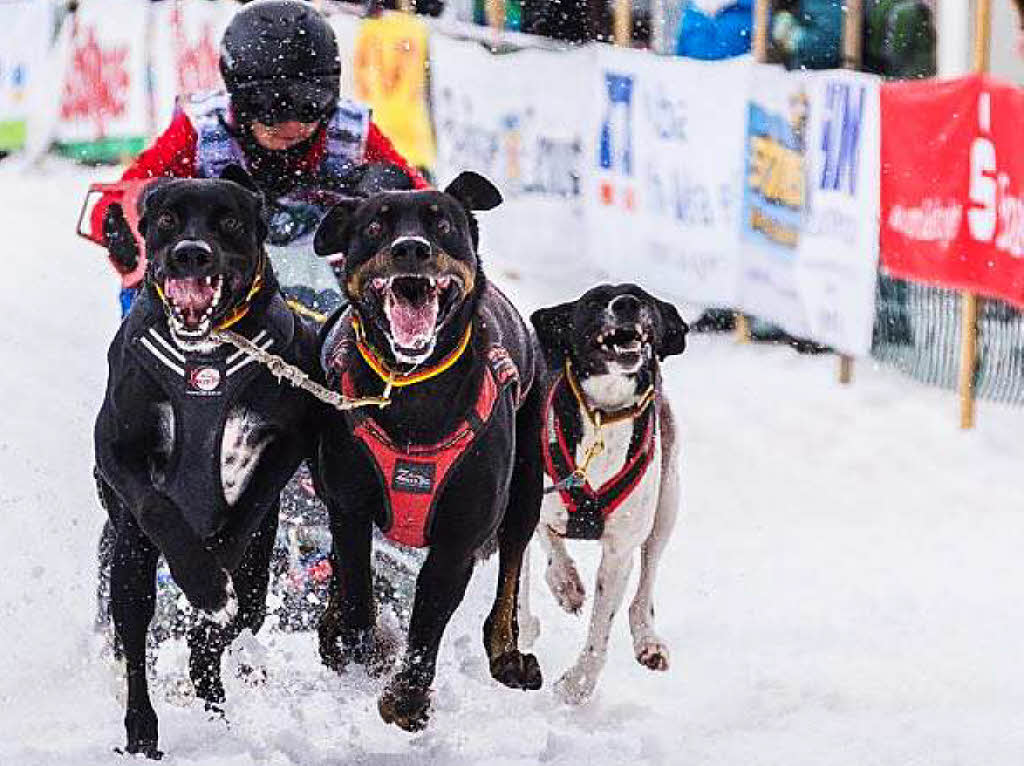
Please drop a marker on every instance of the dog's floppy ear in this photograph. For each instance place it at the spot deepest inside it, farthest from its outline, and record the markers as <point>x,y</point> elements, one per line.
<point>332,234</point>
<point>474,191</point>
<point>554,331</point>
<point>235,172</point>
<point>672,339</point>
<point>144,204</point>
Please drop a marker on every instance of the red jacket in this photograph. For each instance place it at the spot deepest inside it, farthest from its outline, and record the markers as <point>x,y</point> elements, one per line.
<point>173,155</point>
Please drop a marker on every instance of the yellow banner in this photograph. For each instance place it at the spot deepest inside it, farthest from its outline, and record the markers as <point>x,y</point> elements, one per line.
<point>391,76</point>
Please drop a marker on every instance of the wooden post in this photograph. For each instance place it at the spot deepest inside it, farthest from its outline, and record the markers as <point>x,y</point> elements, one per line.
<point>759,48</point>
<point>623,27</point>
<point>968,300</point>
<point>495,12</point>
<point>762,18</point>
<point>853,39</point>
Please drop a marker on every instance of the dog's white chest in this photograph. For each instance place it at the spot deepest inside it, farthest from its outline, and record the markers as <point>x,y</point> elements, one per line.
<point>241,446</point>
<point>632,519</point>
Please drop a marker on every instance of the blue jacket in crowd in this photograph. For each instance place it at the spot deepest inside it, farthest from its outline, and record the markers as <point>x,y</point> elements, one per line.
<point>811,36</point>
<point>721,36</point>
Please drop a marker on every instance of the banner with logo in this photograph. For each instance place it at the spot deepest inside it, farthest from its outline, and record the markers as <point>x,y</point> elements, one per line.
<point>186,51</point>
<point>953,185</point>
<point>505,117</point>
<point>390,65</point>
<point>25,30</point>
<point>663,180</point>
<point>809,216</point>
<point>105,99</point>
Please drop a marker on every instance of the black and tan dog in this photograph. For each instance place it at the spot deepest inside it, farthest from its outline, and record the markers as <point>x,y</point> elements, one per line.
<point>195,440</point>
<point>451,461</point>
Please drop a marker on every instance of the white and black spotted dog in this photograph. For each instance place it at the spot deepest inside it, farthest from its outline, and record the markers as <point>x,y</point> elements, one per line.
<point>610,457</point>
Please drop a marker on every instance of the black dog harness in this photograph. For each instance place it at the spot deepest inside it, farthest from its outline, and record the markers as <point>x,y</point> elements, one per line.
<point>588,507</point>
<point>203,390</point>
<point>413,476</point>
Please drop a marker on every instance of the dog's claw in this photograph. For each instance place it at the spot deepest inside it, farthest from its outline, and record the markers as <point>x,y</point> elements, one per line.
<point>517,670</point>
<point>405,706</point>
<point>653,656</point>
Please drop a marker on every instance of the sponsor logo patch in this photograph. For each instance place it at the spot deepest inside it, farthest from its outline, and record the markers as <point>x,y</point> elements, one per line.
<point>414,478</point>
<point>203,379</point>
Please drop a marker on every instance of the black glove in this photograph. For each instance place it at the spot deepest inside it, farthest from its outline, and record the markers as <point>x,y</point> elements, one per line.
<point>120,240</point>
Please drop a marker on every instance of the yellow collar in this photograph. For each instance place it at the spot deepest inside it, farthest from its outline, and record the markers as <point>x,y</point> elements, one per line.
<point>599,417</point>
<point>401,379</point>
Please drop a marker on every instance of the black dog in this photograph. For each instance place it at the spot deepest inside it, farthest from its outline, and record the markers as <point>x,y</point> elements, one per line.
<point>195,440</point>
<point>452,460</point>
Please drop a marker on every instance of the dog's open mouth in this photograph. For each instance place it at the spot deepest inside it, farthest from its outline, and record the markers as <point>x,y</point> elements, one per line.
<point>623,344</point>
<point>192,302</point>
<point>416,306</point>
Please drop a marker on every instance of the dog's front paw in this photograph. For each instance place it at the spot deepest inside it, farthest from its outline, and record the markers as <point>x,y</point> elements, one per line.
<point>566,585</point>
<point>575,688</point>
<point>405,705</point>
<point>652,654</point>
<point>141,728</point>
<point>516,670</point>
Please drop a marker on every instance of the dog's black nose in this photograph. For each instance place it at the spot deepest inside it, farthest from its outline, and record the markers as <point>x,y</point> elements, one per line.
<point>191,256</point>
<point>625,306</point>
<point>411,250</point>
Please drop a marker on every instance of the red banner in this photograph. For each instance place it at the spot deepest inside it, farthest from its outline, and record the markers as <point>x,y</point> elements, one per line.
<point>953,184</point>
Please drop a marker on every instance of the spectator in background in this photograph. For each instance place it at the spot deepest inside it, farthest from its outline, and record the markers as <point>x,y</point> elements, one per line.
<point>712,34</point>
<point>809,34</point>
<point>899,38</point>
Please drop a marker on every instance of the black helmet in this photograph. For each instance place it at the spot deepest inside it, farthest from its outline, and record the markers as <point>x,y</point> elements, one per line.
<point>280,62</point>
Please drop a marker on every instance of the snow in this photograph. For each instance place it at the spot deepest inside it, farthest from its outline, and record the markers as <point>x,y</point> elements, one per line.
<point>843,586</point>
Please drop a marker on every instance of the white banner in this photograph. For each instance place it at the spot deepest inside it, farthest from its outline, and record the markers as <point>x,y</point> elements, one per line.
<point>664,167</point>
<point>186,50</point>
<point>810,204</point>
<point>105,94</point>
<point>517,119</point>
<point>25,30</point>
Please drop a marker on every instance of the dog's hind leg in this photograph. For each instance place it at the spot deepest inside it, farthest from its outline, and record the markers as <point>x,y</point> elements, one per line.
<point>348,630</point>
<point>649,650</point>
<point>529,625</point>
<point>132,604</point>
<point>578,683</point>
<point>501,629</point>
<point>207,641</point>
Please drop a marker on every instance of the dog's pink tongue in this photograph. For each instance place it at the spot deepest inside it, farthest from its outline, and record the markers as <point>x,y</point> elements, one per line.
<point>191,296</point>
<point>412,326</point>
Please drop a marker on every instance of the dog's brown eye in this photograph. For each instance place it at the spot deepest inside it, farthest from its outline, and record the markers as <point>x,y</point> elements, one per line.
<point>444,226</point>
<point>166,221</point>
<point>230,224</point>
<point>374,229</point>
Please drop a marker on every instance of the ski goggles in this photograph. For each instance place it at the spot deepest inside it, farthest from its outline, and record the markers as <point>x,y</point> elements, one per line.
<point>275,101</point>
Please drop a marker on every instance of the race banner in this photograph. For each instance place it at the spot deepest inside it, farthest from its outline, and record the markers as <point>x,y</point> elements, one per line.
<point>953,185</point>
<point>25,30</point>
<point>492,118</point>
<point>186,51</point>
<point>105,108</point>
<point>809,219</point>
<point>390,65</point>
<point>663,172</point>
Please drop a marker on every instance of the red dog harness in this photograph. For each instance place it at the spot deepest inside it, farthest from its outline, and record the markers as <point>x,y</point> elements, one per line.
<point>588,507</point>
<point>413,477</point>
